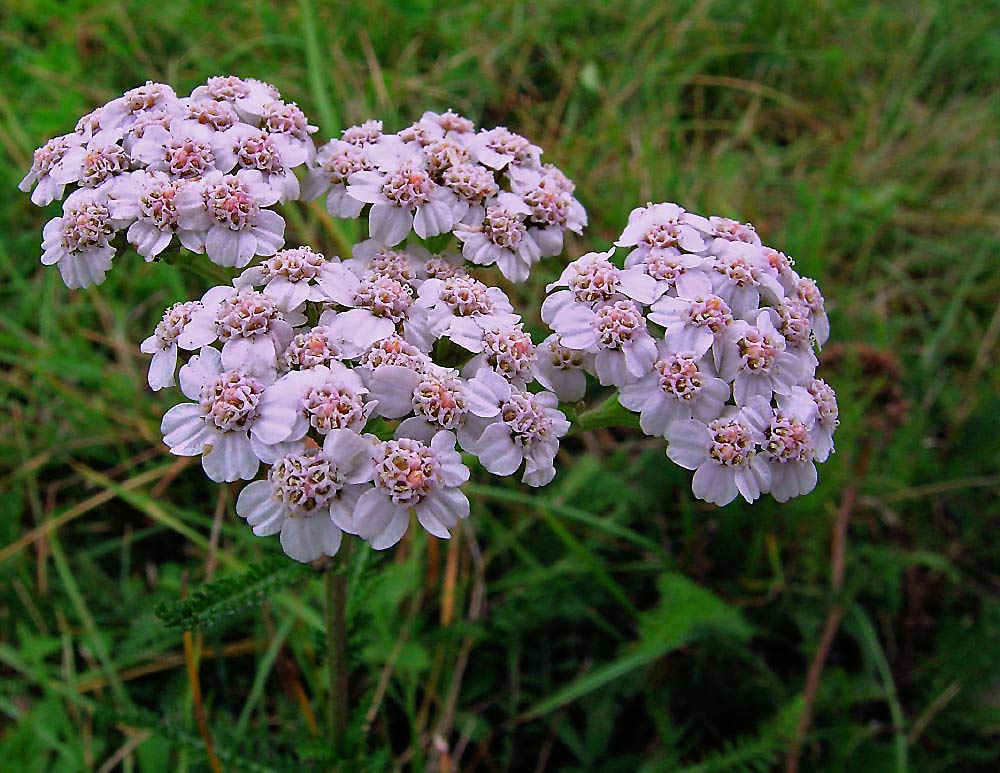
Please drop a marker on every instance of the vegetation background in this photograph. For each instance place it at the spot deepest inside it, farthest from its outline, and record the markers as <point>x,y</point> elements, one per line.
<point>608,622</point>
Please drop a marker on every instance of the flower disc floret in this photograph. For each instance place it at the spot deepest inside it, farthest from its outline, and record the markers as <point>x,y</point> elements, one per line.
<point>305,481</point>
<point>408,185</point>
<point>733,442</point>
<point>332,406</point>
<point>86,225</point>
<point>366,133</point>
<point>395,351</point>
<point>230,202</point>
<point>710,312</point>
<point>103,162</point>
<point>466,296</point>
<point>439,398</point>
<point>509,351</point>
<point>758,350</point>
<point>788,440</point>
<point>246,314</point>
<point>157,204</point>
<point>618,323</point>
<point>230,400</point>
<point>678,375</point>
<point>504,228</point>
<point>295,265</point>
<point>407,470</point>
<point>472,182</point>
<point>307,350</point>
<point>526,417</point>
<point>207,112</point>
<point>384,297</point>
<point>173,322</point>
<point>188,157</point>
<point>593,280</point>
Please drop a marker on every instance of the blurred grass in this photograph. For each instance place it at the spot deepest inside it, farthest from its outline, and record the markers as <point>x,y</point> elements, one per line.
<point>862,138</point>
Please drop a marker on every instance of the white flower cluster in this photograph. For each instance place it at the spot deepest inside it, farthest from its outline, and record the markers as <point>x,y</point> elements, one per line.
<point>709,335</point>
<point>440,175</point>
<point>203,168</point>
<point>353,381</point>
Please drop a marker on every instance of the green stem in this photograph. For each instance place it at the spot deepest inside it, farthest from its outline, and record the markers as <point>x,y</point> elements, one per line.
<point>335,608</point>
<point>610,413</point>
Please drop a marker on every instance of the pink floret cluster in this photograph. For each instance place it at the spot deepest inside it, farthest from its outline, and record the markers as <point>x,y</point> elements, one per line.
<point>439,175</point>
<point>711,337</point>
<point>354,382</point>
<point>204,170</point>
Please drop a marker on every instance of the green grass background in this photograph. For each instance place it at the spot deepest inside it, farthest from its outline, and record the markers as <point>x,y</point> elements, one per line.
<point>610,621</point>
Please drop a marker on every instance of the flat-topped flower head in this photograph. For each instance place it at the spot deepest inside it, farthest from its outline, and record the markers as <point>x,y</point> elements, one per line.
<point>680,386</point>
<point>163,343</point>
<point>307,493</point>
<point>724,453</point>
<point>52,167</point>
<point>659,227</point>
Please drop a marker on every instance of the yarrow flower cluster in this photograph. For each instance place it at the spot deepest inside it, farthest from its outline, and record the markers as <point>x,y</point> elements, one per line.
<point>439,175</point>
<point>710,337</point>
<point>204,170</point>
<point>354,415</point>
<point>347,389</point>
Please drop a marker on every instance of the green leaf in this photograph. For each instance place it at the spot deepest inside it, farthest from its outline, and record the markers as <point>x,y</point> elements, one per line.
<point>224,598</point>
<point>686,613</point>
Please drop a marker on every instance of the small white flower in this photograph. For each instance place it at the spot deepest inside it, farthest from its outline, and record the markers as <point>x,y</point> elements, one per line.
<point>79,241</point>
<point>307,494</point>
<point>616,332</point>
<point>549,194</point>
<point>505,349</point>
<point>679,387</point>
<point>288,277</point>
<point>753,357</point>
<point>562,370</point>
<point>824,403</point>
<point>185,150</point>
<point>692,323</point>
<point>675,272</point>
<point>497,148</point>
<point>661,226</point>
<point>288,119</point>
<point>441,303</point>
<point>249,96</point>
<point>412,476</point>
<point>435,395</point>
<point>163,343</point>
<point>724,453</point>
<point>222,425</point>
<point>741,274</point>
<point>273,155</point>
<point>318,346</point>
<point>336,161</point>
<point>808,292</point>
<point>789,452</point>
<point>134,103</point>
<point>150,198</point>
<point>593,279</point>
<point>53,168</point>
<point>230,210</point>
<point>404,197</point>
<point>505,239</point>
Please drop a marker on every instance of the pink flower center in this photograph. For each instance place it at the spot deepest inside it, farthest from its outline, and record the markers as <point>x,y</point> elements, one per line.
<point>407,469</point>
<point>247,314</point>
<point>779,262</point>
<point>227,87</point>
<point>788,440</point>
<point>157,205</point>
<point>509,351</point>
<point>364,134</point>
<point>680,377</point>
<point>795,326</point>
<point>826,402</point>
<point>384,297</point>
<point>440,268</point>
<point>145,97</point>
<point>231,204</point>
<point>662,235</point>
<point>344,161</point>
<point>282,118</point>
<point>307,350</point>
<point>443,154</point>
<point>664,266</point>
<point>526,417</point>
<point>505,229</point>
<point>594,280</point>
<point>101,163</point>
<point>618,323</point>
<point>466,296</point>
<point>439,399</point>
<point>304,481</point>
<point>331,406</point>
<point>395,351</point>
<point>549,203</point>
<point>85,226</point>
<point>470,181</point>
<point>187,157</point>
<point>737,269</point>
<point>173,322</point>
<point>219,115</point>
<point>808,292</point>
<point>732,443</point>
<point>564,358</point>
<point>294,265</point>
<point>394,265</point>
<point>733,230</point>
<point>258,151</point>
<point>506,143</point>
<point>230,400</point>
<point>451,121</point>
<point>758,350</point>
<point>47,156</point>
<point>408,186</point>
<point>711,312</point>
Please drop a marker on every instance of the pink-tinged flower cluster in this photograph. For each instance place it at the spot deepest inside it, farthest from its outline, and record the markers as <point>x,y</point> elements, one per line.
<point>438,176</point>
<point>710,336</point>
<point>154,167</point>
<point>331,374</point>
